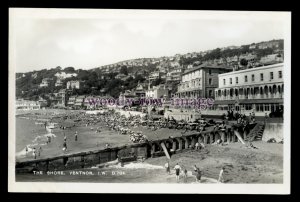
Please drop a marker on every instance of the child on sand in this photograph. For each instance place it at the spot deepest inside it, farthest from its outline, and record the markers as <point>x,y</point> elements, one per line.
<point>185,175</point>
<point>221,178</point>
<point>177,169</point>
<point>198,175</point>
<point>167,166</point>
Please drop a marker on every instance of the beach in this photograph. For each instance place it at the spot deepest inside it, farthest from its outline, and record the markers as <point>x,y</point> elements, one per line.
<point>243,164</point>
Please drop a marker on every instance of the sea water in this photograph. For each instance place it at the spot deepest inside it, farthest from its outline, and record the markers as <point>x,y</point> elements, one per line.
<point>29,134</point>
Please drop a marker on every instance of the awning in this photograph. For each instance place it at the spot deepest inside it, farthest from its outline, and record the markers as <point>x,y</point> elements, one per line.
<point>262,101</point>
<point>249,101</point>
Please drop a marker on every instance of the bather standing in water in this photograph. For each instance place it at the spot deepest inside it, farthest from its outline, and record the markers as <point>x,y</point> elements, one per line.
<point>76,136</point>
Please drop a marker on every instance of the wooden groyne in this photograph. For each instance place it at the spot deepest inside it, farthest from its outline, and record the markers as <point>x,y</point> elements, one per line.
<point>128,152</point>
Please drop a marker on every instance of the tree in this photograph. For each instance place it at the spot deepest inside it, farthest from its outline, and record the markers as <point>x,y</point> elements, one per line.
<point>244,62</point>
<point>157,81</point>
<point>124,70</point>
<point>69,70</point>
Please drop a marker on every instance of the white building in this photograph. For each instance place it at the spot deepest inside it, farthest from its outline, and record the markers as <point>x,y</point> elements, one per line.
<point>58,83</point>
<point>157,92</point>
<point>64,75</point>
<point>200,81</point>
<point>271,58</point>
<point>45,82</point>
<point>257,89</point>
<point>27,105</point>
<point>154,75</point>
<point>73,84</point>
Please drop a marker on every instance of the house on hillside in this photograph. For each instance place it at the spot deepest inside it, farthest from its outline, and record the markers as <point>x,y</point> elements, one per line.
<point>271,59</point>
<point>156,92</point>
<point>79,102</point>
<point>45,82</point>
<point>64,75</point>
<point>121,76</point>
<point>154,75</point>
<point>58,83</point>
<point>73,84</point>
<point>27,105</point>
<point>71,101</point>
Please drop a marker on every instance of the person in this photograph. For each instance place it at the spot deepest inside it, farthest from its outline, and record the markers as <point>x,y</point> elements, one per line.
<point>65,146</point>
<point>197,146</point>
<point>26,150</point>
<point>221,178</point>
<point>34,153</point>
<point>198,175</point>
<point>167,166</point>
<point>195,168</point>
<point>185,175</point>
<point>76,136</point>
<point>40,151</point>
<point>177,169</point>
<point>48,139</point>
<point>266,117</point>
<point>65,137</point>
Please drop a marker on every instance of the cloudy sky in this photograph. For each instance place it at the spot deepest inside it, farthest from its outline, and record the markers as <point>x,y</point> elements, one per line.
<point>49,39</point>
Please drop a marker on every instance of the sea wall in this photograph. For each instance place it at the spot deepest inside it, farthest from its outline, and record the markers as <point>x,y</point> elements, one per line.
<point>273,130</point>
<point>128,152</point>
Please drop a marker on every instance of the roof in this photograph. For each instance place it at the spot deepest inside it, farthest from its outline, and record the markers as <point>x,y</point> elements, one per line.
<point>209,66</point>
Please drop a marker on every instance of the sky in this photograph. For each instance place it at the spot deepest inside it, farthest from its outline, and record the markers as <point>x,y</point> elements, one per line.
<point>46,39</point>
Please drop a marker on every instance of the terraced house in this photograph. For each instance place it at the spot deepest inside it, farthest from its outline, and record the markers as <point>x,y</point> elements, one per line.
<point>200,81</point>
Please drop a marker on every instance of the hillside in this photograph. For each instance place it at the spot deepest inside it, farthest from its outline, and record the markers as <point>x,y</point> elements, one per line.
<point>125,75</point>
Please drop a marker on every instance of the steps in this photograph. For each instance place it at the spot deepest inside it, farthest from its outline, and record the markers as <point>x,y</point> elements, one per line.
<point>256,133</point>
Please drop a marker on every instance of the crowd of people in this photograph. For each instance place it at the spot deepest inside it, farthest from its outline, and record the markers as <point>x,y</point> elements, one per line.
<point>181,171</point>
<point>239,117</point>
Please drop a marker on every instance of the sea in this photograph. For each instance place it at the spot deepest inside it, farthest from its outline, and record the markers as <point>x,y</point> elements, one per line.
<point>29,134</point>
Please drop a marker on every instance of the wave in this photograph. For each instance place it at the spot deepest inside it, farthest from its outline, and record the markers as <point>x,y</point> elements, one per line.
<point>22,153</point>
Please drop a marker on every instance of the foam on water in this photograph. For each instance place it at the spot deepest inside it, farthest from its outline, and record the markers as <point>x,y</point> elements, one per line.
<point>137,165</point>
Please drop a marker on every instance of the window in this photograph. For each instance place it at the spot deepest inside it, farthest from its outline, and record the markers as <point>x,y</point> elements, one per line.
<point>253,78</point>
<point>261,77</point>
<point>209,71</point>
<point>271,75</point>
<point>209,81</point>
<point>236,80</point>
<point>246,79</point>
<point>261,107</point>
<point>224,81</point>
<point>267,107</point>
<point>230,80</point>
<point>210,93</point>
<point>280,74</point>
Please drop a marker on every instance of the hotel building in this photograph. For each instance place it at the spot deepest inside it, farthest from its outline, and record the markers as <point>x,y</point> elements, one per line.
<point>257,89</point>
<point>200,81</point>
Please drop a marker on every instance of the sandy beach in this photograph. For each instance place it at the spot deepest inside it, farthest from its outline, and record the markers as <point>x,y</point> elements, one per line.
<point>242,164</point>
